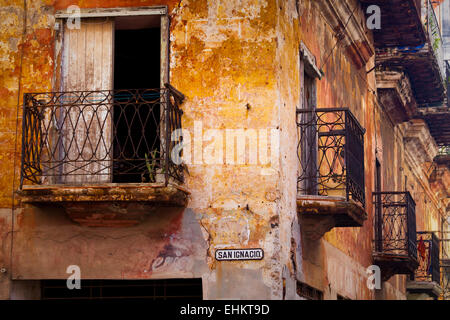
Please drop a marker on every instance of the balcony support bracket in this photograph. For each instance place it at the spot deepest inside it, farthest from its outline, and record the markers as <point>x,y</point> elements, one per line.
<point>320,214</point>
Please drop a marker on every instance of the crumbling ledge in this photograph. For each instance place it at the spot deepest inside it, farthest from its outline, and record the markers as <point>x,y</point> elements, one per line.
<point>105,205</point>
<point>429,288</point>
<point>320,214</point>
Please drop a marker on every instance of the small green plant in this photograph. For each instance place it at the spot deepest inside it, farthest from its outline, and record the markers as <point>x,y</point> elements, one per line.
<point>151,165</point>
<point>436,44</point>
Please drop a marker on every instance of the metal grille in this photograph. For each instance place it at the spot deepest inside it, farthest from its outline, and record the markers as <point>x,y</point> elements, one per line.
<point>445,279</point>
<point>447,78</point>
<point>434,35</point>
<point>331,153</point>
<point>308,292</point>
<point>124,289</point>
<point>428,256</point>
<point>100,136</point>
<point>395,224</point>
<point>445,259</point>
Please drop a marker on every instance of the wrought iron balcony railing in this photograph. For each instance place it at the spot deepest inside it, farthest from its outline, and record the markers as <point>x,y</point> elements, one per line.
<point>447,77</point>
<point>331,153</point>
<point>395,224</point>
<point>100,136</point>
<point>428,256</point>
<point>445,263</point>
<point>434,35</point>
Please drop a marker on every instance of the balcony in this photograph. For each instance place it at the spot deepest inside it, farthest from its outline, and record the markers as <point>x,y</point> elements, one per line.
<point>104,156</point>
<point>428,254</point>
<point>426,280</point>
<point>395,245</point>
<point>401,23</point>
<point>445,264</point>
<point>409,44</point>
<point>437,118</point>
<point>434,35</point>
<point>331,183</point>
<point>440,175</point>
<point>443,156</point>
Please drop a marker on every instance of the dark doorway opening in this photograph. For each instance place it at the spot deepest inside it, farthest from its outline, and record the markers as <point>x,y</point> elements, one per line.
<point>169,289</point>
<point>137,107</point>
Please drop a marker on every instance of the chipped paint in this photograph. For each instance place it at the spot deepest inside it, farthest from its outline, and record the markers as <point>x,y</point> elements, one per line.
<point>224,56</point>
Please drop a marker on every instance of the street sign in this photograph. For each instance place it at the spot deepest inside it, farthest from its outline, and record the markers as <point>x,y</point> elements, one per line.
<point>239,254</point>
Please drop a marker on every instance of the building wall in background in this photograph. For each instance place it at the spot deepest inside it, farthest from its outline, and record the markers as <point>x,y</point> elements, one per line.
<point>224,57</point>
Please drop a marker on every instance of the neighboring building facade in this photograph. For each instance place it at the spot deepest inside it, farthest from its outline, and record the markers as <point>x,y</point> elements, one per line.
<point>309,137</point>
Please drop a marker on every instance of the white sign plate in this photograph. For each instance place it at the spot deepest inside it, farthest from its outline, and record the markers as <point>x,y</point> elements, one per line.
<point>239,254</point>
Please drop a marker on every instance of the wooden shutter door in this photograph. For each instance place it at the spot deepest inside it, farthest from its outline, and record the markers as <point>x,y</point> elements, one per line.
<point>87,65</point>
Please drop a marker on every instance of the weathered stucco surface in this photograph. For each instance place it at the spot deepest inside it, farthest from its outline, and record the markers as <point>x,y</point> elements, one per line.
<point>237,63</point>
<point>344,85</point>
<point>232,206</point>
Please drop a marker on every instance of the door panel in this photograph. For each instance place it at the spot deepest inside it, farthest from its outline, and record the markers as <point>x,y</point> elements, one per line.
<point>87,65</point>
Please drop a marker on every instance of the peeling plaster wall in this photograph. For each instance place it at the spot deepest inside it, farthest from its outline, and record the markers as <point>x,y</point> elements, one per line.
<point>253,48</point>
<point>343,85</point>
<point>288,96</point>
<point>237,206</point>
<point>5,252</point>
<point>168,244</point>
<point>230,206</point>
<point>224,56</point>
<point>415,176</point>
<point>30,55</point>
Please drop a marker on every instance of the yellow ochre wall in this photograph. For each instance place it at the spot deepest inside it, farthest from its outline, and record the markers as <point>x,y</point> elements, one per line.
<point>224,55</point>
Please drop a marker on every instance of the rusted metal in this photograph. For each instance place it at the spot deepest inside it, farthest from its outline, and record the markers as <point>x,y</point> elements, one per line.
<point>331,153</point>
<point>434,35</point>
<point>445,259</point>
<point>428,256</point>
<point>438,117</point>
<point>405,43</point>
<point>309,293</point>
<point>395,245</point>
<point>395,224</point>
<point>401,23</point>
<point>423,69</point>
<point>164,289</point>
<point>100,136</point>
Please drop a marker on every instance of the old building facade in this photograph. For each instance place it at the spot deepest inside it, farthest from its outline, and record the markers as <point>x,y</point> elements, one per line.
<point>307,134</point>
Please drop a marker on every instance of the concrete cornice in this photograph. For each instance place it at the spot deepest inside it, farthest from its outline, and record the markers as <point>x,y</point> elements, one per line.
<point>419,142</point>
<point>399,82</point>
<point>430,288</point>
<point>440,181</point>
<point>396,94</point>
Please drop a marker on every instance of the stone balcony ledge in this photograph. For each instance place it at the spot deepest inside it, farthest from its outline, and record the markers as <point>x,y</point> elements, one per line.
<point>429,288</point>
<point>105,205</point>
<point>396,94</point>
<point>320,214</point>
<point>391,264</point>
